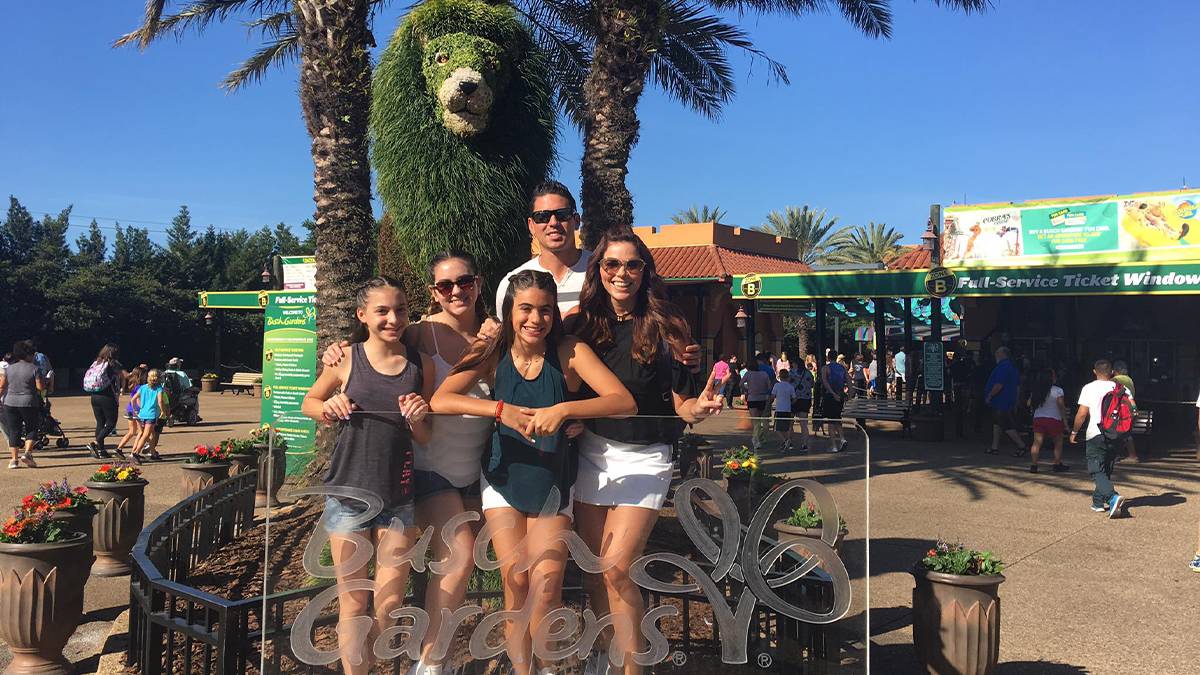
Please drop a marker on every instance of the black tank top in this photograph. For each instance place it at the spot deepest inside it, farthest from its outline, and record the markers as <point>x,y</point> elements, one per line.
<point>374,451</point>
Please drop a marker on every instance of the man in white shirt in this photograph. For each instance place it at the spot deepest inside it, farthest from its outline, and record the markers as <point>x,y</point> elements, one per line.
<point>901,372</point>
<point>1101,453</point>
<point>783,393</point>
<point>552,223</point>
<point>757,385</point>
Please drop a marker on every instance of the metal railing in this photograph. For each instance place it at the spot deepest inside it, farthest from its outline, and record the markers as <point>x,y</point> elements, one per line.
<point>175,628</point>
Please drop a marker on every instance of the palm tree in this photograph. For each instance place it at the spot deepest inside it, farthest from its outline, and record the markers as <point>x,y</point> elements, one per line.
<point>815,237</point>
<point>331,39</point>
<point>632,37</point>
<point>702,215</point>
<point>875,243</point>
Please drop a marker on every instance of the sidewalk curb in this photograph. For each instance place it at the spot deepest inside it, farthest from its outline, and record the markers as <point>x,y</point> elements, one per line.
<point>112,652</point>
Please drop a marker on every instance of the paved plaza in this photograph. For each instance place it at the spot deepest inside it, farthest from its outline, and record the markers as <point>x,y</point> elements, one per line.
<point>1083,593</point>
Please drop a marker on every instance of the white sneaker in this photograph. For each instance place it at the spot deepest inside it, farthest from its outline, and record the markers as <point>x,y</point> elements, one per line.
<point>14,464</point>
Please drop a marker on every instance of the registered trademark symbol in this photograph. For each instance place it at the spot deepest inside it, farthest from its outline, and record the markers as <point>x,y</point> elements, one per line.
<point>678,658</point>
<point>764,660</point>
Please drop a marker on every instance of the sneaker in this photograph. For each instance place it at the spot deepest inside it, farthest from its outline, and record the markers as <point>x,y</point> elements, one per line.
<point>136,457</point>
<point>94,449</point>
<point>1098,509</point>
<point>1114,505</point>
<point>14,464</point>
<point>1060,467</point>
<point>1033,468</point>
<point>843,446</point>
<point>27,460</point>
<point>1195,566</point>
<point>120,452</point>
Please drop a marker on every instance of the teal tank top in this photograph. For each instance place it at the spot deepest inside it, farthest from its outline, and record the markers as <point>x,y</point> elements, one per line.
<point>521,471</point>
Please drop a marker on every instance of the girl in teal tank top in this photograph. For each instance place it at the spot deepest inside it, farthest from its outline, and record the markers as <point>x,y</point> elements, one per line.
<point>528,469</point>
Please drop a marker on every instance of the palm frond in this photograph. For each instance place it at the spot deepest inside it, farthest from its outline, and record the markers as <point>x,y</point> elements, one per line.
<point>281,51</point>
<point>703,214</point>
<point>872,17</point>
<point>273,25</point>
<point>195,16</point>
<point>564,33</point>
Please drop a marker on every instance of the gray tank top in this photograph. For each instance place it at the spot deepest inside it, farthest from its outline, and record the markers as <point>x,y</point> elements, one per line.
<point>20,390</point>
<point>374,451</point>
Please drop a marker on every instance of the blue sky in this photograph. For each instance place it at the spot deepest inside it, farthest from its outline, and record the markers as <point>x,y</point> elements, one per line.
<point>1033,99</point>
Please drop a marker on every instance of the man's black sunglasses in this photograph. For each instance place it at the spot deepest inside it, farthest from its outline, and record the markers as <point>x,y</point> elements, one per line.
<point>563,214</point>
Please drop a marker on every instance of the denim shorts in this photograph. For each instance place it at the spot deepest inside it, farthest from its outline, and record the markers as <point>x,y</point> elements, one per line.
<point>338,516</point>
<point>428,483</point>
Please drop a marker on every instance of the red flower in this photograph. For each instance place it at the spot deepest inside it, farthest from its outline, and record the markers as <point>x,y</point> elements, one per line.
<point>80,490</point>
<point>202,451</point>
<point>106,467</point>
<point>28,501</point>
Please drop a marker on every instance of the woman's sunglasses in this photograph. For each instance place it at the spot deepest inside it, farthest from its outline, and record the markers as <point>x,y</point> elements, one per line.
<point>611,265</point>
<point>465,282</point>
<point>543,217</point>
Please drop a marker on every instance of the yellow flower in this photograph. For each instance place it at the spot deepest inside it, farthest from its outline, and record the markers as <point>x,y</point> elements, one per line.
<point>123,474</point>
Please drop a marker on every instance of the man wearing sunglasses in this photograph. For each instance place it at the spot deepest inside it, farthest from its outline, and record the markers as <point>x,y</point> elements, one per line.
<point>552,224</point>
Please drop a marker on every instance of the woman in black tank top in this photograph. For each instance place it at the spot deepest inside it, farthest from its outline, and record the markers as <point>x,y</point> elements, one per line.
<point>529,461</point>
<point>625,465</point>
<point>381,409</point>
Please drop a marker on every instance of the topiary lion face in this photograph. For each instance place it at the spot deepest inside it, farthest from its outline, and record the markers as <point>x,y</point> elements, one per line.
<point>465,73</point>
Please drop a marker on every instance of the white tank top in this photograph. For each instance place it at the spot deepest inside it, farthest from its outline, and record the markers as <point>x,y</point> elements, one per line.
<point>457,441</point>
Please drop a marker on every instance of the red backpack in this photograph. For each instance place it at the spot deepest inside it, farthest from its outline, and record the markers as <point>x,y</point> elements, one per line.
<point>1116,413</point>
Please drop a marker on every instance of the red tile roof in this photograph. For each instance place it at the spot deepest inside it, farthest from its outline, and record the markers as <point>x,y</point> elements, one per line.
<point>912,257</point>
<point>714,262</point>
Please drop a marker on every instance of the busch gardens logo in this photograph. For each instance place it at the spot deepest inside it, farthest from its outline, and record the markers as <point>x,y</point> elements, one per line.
<point>751,285</point>
<point>729,554</point>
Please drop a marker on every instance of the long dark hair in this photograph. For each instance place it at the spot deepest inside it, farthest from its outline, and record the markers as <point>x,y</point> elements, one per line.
<point>482,350</point>
<point>1039,386</point>
<point>360,333</point>
<point>655,318</point>
<point>455,254</point>
<point>108,353</point>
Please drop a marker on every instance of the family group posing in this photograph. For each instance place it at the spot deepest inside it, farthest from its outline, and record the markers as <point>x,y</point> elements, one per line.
<point>458,412</point>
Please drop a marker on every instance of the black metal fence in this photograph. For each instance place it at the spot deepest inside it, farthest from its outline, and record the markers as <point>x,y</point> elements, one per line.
<point>175,628</point>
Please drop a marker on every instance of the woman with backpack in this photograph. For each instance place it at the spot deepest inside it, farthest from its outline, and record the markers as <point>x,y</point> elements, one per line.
<point>102,381</point>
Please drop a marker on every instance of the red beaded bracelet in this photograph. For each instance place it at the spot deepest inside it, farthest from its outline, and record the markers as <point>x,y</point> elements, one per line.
<point>499,409</point>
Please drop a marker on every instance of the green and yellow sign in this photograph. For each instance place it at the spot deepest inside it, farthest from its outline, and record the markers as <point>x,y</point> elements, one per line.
<point>940,282</point>
<point>289,369</point>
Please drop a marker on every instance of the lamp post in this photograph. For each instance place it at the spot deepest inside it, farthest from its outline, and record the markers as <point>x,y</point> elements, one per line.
<point>214,320</point>
<point>744,320</point>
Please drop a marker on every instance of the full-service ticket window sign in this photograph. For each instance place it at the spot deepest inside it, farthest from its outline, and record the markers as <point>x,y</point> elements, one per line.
<point>1111,228</point>
<point>289,364</point>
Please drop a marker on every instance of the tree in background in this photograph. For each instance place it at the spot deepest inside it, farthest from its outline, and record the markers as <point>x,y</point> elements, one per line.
<point>816,239</point>
<point>874,243</point>
<point>136,293</point>
<point>702,215</point>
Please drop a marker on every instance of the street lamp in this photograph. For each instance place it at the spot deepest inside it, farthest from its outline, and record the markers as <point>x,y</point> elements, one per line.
<point>741,316</point>
<point>266,274</point>
<point>929,239</point>
<point>208,319</point>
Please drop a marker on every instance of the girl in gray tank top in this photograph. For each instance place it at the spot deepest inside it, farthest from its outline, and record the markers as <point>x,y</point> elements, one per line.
<point>381,410</point>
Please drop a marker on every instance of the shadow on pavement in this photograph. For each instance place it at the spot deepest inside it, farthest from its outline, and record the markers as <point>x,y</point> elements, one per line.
<point>902,658</point>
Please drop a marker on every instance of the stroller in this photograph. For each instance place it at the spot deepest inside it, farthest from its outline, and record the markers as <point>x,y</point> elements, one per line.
<point>183,401</point>
<point>49,427</point>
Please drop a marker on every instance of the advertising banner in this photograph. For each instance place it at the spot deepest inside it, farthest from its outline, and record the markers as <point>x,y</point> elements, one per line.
<point>1114,228</point>
<point>289,369</point>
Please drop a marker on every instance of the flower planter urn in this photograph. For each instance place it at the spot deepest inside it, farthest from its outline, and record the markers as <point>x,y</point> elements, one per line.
<point>76,519</point>
<point>199,476</point>
<point>276,471</point>
<point>785,532</point>
<point>242,463</point>
<point>256,389</point>
<point>208,384</point>
<point>41,601</point>
<point>956,622</point>
<point>741,491</point>
<point>116,525</point>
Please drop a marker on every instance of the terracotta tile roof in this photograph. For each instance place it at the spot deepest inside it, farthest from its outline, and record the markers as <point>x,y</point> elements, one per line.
<point>710,262</point>
<point>912,257</point>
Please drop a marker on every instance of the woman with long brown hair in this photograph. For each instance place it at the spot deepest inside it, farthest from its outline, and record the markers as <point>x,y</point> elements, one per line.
<point>625,465</point>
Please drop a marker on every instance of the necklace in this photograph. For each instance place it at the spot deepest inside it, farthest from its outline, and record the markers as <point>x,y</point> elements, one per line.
<point>529,361</point>
<point>623,316</point>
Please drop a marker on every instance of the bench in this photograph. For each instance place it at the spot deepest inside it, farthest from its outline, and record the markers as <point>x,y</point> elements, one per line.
<point>242,382</point>
<point>879,409</point>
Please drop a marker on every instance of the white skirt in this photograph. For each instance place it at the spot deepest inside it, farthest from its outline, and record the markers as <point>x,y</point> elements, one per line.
<point>622,474</point>
<point>490,498</point>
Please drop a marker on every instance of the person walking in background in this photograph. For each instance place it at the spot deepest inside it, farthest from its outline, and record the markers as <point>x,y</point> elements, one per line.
<point>833,395</point>
<point>150,402</point>
<point>804,381</point>
<point>720,376</point>
<point>129,386</point>
<point>103,382</point>
<point>757,385</point>
<point>1002,387</point>
<point>783,394</point>
<point>1049,412</point>
<point>814,369</point>
<point>734,384</point>
<point>1121,377</point>
<point>1101,452</point>
<point>21,388</point>
<point>900,372</point>
<point>782,364</point>
<point>45,368</point>
<point>890,375</point>
<point>858,370</point>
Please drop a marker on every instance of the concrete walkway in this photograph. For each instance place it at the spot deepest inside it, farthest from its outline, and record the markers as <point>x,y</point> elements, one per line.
<point>1083,593</point>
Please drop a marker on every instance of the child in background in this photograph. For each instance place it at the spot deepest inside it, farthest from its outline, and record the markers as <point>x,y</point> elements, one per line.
<point>133,381</point>
<point>150,404</point>
<point>783,393</point>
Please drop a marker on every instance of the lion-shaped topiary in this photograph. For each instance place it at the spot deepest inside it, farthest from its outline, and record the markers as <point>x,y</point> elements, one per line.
<point>463,128</point>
